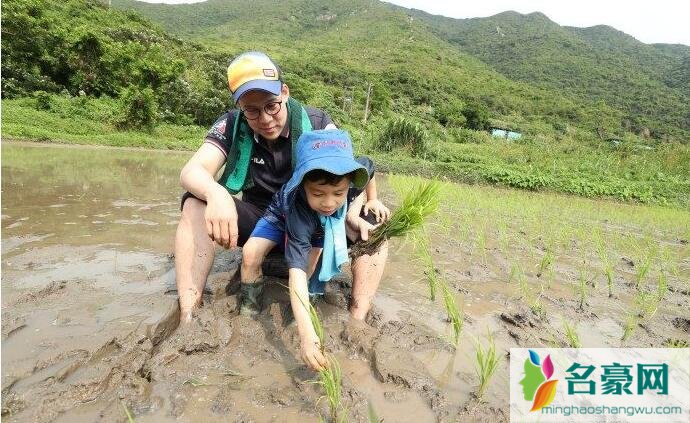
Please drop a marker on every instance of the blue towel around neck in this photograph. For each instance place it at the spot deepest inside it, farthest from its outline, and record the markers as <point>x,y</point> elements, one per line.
<point>334,252</point>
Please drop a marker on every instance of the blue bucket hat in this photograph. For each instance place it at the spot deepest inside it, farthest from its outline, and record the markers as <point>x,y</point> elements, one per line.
<point>329,150</point>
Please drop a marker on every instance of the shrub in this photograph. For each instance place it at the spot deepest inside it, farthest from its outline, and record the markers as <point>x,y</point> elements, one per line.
<point>138,109</point>
<point>42,100</point>
<point>402,132</point>
<point>477,116</point>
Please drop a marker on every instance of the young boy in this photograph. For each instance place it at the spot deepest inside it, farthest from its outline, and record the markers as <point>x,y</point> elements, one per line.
<point>315,213</point>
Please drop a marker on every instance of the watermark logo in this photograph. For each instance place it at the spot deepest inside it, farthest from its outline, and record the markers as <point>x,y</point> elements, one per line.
<point>538,385</point>
<point>600,384</point>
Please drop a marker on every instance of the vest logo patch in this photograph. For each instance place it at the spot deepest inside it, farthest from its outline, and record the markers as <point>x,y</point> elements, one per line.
<point>258,160</point>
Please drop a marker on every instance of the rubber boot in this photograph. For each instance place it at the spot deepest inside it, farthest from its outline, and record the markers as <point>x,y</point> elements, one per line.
<point>251,295</point>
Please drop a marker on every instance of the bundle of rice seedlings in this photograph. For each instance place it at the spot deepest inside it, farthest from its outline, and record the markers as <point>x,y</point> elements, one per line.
<point>418,204</point>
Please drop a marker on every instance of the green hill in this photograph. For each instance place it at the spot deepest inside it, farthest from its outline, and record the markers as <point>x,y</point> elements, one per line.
<point>93,74</point>
<point>331,51</point>
<point>647,83</point>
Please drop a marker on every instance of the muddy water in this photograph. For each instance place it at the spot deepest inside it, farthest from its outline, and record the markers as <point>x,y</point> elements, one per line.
<point>88,329</point>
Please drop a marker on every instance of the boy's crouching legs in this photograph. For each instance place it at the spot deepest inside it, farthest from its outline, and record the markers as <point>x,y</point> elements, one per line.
<point>251,289</point>
<point>367,271</point>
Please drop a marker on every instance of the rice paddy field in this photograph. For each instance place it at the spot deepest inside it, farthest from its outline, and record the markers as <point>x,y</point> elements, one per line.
<point>89,321</point>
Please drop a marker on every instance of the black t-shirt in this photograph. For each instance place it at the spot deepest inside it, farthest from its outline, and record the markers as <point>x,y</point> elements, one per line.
<point>271,163</point>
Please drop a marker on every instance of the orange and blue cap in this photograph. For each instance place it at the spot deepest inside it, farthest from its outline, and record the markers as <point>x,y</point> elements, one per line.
<point>253,71</point>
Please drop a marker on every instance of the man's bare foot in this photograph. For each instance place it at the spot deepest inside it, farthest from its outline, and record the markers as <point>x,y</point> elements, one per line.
<point>189,299</point>
<point>186,316</point>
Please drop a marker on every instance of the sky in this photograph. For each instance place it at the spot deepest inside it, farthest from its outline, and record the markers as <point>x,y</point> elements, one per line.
<point>658,21</point>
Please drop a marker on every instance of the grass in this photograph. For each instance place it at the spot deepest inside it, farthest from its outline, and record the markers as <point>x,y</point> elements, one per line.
<point>486,363</point>
<point>89,121</point>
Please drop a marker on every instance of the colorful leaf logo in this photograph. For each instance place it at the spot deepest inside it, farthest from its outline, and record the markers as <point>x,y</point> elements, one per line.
<point>545,394</point>
<point>547,367</point>
<point>537,384</point>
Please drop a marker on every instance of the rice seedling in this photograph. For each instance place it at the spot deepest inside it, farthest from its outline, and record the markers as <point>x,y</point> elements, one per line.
<point>373,417</point>
<point>455,315</point>
<point>647,303</point>
<point>546,261</point>
<point>481,242</point>
<point>537,307</point>
<point>195,382</point>
<point>419,203</point>
<point>571,335</point>
<point>130,417</point>
<point>522,283</point>
<point>513,275</point>
<point>331,380</point>
<point>485,365</point>
<point>581,289</point>
<point>676,343</point>
<point>662,285</point>
<point>643,268</point>
<point>631,322</point>
<point>606,263</point>
<point>424,253</point>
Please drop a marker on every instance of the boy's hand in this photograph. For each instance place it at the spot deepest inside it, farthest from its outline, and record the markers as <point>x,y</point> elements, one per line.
<point>381,212</point>
<point>311,354</point>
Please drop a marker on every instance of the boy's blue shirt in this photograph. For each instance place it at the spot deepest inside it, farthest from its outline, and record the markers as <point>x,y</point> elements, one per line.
<point>291,213</point>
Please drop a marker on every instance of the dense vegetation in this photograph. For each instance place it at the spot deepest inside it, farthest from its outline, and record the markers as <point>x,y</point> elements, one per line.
<point>648,84</point>
<point>109,75</point>
<point>83,48</point>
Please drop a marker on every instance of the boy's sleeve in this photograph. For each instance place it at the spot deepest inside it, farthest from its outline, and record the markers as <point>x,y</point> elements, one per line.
<point>300,226</point>
<point>371,169</point>
<point>368,164</point>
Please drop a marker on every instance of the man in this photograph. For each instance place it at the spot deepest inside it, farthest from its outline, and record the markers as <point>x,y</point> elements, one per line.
<point>256,145</point>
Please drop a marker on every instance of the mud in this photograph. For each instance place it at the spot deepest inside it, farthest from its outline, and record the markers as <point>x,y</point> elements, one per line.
<point>90,317</point>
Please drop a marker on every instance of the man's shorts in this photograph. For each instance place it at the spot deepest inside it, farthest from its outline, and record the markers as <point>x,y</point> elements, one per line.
<point>247,216</point>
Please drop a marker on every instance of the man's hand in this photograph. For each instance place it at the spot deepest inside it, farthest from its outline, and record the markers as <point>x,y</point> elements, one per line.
<point>381,212</point>
<point>221,217</point>
<point>311,354</point>
<point>361,226</point>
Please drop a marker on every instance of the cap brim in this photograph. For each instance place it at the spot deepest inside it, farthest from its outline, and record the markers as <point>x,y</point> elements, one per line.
<point>332,164</point>
<point>272,87</point>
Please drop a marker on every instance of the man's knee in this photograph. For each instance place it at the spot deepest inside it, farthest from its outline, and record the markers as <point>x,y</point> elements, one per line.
<point>193,211</point>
